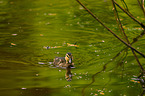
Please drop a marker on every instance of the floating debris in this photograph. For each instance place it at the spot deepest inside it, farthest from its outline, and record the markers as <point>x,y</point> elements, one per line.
<point>80,76</point>
<point>37,74</point>
<point>47,23</point>
<point>110,91</point>
<point>67,86</point>
<point>52,14</point>
<point>41,63</point>
<point>60,79</point>
<point>98,90</point>
<point>103,41</point>
<point>50,62</point>
<point>133,81</point>
<point>23,88</point>
<point>137,80</point>
<point>75,16</point>
<point>139,28</point>
<point>132,63</point>
<point>91,94</point>
<point>48,47</point>
<point>102,93</point>
<point>14,34</point>
<point>57,52</point>
<point>78,22</point>
<point>121,19</point>
<point>41,35</point>
<point>13,44</point>
<point>68,44</point>
<point>90,45</point>
<point>95,94</point>
<point>75,73</point>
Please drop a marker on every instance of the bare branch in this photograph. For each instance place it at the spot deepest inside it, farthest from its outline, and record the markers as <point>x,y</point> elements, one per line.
<point>141,4</point>
<point>140,23</point>
<point>120,25</point>
<point>110,30</point>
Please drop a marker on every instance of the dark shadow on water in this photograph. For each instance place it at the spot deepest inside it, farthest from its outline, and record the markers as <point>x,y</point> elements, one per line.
<point>38,91</point>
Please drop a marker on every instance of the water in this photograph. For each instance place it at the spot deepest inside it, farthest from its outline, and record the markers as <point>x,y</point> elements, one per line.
<point>28,27</point>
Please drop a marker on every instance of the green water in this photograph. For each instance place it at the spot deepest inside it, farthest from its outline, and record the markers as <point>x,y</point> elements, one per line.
<point>28,26</point>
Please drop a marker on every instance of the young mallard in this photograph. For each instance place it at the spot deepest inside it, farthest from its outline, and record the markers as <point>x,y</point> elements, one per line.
<point>63,61</point>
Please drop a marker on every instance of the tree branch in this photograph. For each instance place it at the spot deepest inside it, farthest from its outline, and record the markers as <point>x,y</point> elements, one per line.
<point>140,23</point>
<point>141,6</point>
<point>110,30</point>
<point>120,26</point>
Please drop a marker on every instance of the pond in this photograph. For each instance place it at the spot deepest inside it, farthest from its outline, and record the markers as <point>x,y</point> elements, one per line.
<point>33,32</point>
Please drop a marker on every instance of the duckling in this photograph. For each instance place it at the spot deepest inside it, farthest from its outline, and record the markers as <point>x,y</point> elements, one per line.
<point>63,61</point>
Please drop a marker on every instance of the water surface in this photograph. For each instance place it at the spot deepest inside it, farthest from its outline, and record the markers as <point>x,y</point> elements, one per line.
<point>27,27</point>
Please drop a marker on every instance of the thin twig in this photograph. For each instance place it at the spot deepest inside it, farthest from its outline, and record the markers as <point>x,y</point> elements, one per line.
<point>93,76</point>
<point>125,5</point>
<point>118,20</point>
<point>109,29</point>
<point>136,38</point>
<point>140,23</point>
<point>141,6</point>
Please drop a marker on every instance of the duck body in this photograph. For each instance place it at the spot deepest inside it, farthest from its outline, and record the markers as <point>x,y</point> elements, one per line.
<point>59,61</point>
<point>63,61</point>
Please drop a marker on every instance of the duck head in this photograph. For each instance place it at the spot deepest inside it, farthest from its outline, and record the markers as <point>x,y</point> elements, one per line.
<point>68,58</point>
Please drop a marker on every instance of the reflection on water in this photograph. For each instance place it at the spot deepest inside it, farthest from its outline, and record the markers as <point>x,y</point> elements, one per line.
<point>120,63</point>
<point>32,33</point>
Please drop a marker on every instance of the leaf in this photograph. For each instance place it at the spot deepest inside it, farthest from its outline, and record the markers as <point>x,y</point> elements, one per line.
<point>13,44</point>
<point>101,93</point>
